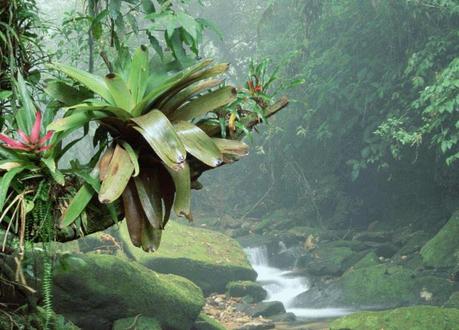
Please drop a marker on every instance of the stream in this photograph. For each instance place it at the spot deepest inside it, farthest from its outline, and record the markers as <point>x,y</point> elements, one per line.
<point>284,286</point>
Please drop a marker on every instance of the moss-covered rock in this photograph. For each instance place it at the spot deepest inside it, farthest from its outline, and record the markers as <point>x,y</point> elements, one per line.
<point>331,260</point>
<point>453,300</point>
<point>205,322</point>
<point>246,288</point>
<point>413,318</point>
<point>95,290</point>
<point>389,286</point>
<point>137,323</point>
<point>443,249</point>
<point>208,258</point>
<point>370,259</point>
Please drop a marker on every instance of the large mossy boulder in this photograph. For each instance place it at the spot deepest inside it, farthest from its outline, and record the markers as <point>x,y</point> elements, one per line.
<point>390,286</point>
<point>442,251</point>
<point>413,318</point>
<point>95,290</point>
<point>205,322</point>
<point>379,286</point>
<point>330,260</point>
<point>453,300</point>
<point>208,258</point>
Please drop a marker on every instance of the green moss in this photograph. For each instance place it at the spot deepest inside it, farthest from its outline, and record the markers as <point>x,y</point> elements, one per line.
<point>443,249</point>
<point>413,318</point>
<point>95,290</point>
<point>210,259</point>
<point>371,259</point>
<point>453,300</point>
<point>205,322</point>
<point>388,285</point>
<point>137,323</point>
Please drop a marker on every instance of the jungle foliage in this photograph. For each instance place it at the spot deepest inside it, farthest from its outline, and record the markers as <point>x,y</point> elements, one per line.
<point>374,127</point>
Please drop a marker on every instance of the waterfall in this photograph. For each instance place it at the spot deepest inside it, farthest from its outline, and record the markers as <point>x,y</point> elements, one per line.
<point>282,286</point>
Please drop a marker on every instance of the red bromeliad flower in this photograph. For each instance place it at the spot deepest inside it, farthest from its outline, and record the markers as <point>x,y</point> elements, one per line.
<point>254,88</point>
<point>33,142</point>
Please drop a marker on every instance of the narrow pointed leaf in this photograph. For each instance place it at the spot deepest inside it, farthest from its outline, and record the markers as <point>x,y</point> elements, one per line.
<point>138,74</point>
<point>198,143</point>
<point>25,115</point>
<point>57,175</point>
<point>89,80</point>
<point>119,91</point>
<point>161,135</point>
<point>77,205</point>
<point>182,182</point>
<point>119,172</point>
<point>5,182</point>
<point>205,104</point>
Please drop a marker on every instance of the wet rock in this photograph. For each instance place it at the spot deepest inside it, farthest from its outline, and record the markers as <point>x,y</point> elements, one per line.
<point>284,317</point>
<point>329,260</point>
<point>208,258</point>
<point>246,288</point>
<point>264,309</point>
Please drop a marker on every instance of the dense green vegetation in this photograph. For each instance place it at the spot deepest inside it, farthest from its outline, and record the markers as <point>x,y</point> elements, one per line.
<point>111,110</point>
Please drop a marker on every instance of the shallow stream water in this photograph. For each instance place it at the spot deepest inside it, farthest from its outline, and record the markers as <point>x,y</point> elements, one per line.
<point>283,286</point>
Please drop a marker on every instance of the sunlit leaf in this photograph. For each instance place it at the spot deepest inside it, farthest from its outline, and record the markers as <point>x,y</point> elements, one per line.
<point>77,205</point>
<point>198,143</point>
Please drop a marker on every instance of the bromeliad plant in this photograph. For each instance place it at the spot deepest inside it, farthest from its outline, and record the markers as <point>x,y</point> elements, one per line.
<point>159,146</point>
<point>159,130</point>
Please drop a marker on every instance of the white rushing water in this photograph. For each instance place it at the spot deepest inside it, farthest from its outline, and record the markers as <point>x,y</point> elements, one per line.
<point>282,286</point>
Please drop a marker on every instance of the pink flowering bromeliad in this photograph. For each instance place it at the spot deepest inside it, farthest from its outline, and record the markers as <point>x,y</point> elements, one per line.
<point>34,143</point>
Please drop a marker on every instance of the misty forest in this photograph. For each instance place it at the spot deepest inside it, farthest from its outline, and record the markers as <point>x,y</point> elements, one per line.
<point>229,164</point>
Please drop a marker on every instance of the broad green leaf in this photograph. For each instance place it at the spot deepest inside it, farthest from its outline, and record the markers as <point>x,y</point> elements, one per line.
<point>232,150</point>
<point>179,99</point>
<point>188,23</point>
<point>198,143</point>
<point>182,182</point>
<point>4,95</point>
<point>105,108</point>
<point>91,81</point>
<point>67,94</point>
<point>90,178</point>
<point>161,135</point>
<point>5,182</point>
<point>171,83</point>
<point>205,104</point>
<point>149,194</point>
<point>77,205</point>
<point>25,116</point>
<point>119,172</point>
<point>55,173</point>
<point>138,74</point>
<point>119,91</point>
<point>75,120</point>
